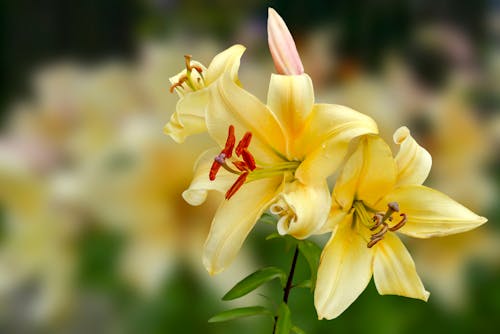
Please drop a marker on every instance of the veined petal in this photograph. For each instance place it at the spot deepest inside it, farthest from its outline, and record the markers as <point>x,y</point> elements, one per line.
<point>197,192</point>
<point>413,161</point>
<point>304,209</point>
<point>189,116</point>
<point>344,271</point>
<point>291,99</point>
<point>283,50</point>
<point>325,139</point>
<point>232,105</point>
<point>394,271</point>
<point>369,173</point>
<point>234,219</point>
<point>431,213</point>
<point>228,60</point>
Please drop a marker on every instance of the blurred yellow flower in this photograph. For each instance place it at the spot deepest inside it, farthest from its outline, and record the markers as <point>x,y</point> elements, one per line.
<point>371,182</point>
<point>192,85</point>
<point>287,150</point>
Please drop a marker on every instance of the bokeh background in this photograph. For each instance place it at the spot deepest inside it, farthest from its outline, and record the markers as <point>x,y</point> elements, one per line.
<point>94,235</point>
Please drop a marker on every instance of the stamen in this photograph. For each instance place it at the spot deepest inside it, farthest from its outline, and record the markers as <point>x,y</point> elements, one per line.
<point>243,144</point>
<point>236,185</point>
<point>380,219</point>
<point>230,141</point>
<point>373,242</point>
<point>214,170</point>
<point>401,223</point>
<point>179,83</point>
<point>248,159</point>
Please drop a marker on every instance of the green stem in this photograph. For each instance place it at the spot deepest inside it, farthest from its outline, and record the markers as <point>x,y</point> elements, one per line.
<point>288,286</point>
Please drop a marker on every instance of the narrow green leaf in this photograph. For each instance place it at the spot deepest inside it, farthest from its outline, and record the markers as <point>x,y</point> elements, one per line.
<point>298,330</point>
<point>284,324</point>
<point>273,235</point>
<point>268,218</point>
<point>311,252</point>
<point>304,284</point>
<point>240,313</point>
<point>253,281</point>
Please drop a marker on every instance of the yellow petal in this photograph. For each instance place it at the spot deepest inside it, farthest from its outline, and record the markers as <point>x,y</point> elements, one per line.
<point>394,271</point>
<point>431,213</point>
<point>232,105</point>
<point>369,173</point>
<point>228,60</point>
<point>325,139</point>
<point>413,161</point>
<point>189,116</point>
<point>197,192</point>
<point>291,99</point>
<point>344,271</point>
<point>303,209</point>
<point>233,221</point>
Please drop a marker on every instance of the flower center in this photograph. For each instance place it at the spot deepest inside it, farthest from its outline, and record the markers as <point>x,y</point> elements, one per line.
<point>244,164</point>
<point>286,213</point>
<point>189,80</point>
<point>378,222</point>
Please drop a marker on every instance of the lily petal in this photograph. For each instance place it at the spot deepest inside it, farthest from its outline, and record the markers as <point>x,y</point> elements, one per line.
<point>431,213</point>
<point>344,271</point>
<point>413,161</point>
<point>394,271</point>
<point>307,208</point>
<point>325,139</point>
<point>291,98</point>
<point>282,47</point>
<point>230,227</point>
<point>369,173</point>
<point>189,116</point>
<point>197,192</point>
<point>226,61</point>
<point>232,105</point>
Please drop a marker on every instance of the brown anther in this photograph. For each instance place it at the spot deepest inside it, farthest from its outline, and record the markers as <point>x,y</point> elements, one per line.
<point>401,223</point>
<point>382,231</point>
<point>378,219</point>
<point>373,242</point>
<point>197,68</point>
<point>179,83</point>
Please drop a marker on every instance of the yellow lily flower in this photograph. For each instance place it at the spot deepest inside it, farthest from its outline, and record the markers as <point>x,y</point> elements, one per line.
<point>192,85</point>
<point>371,188</point>
<point>287,150</point>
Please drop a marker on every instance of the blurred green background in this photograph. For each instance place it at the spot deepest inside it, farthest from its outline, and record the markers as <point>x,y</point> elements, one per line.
<point>94,234</point>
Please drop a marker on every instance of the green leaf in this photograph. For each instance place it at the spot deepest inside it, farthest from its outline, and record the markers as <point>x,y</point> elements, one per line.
<point>311,253</point>
<point>274,235</point>
<point>284,323</point>
<point>304,284</point>
<point>240,313</point>
<point>268,218</point>
<point>298,330</point>
<point>253,281</point>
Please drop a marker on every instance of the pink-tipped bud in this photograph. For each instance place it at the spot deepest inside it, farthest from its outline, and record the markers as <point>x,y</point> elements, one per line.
<point>283,50</point>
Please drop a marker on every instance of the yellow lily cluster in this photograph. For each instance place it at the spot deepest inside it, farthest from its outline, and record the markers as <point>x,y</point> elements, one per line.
<point>277,156</point>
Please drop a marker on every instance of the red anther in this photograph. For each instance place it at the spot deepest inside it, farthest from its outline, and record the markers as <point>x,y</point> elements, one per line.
<point>214,170</point>
<point>240,165</point>
<point>230,141</point>
<point>236,185</point>
<point>178,83</point>
<point>197,68</point>
<point>249,159</point>
<point>243,144</point>
<point>400,224</point>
